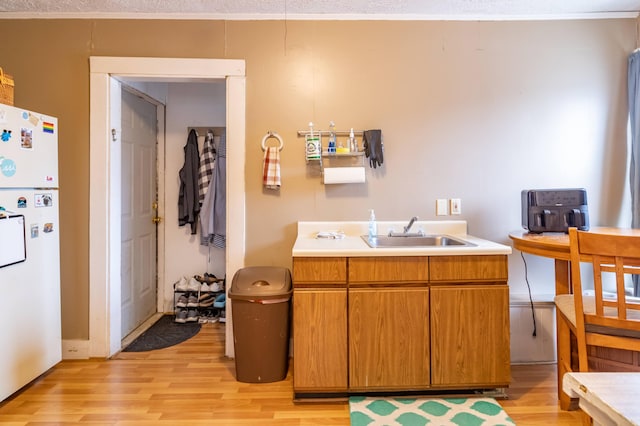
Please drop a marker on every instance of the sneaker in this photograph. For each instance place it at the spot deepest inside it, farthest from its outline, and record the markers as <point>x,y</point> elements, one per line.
<point>204,287</point>
<point>181,285</point>
<point>193,285</point>
<point>205,297</point>
<point>192,315</point>
<point>181,316</point>
<point>223,316</point>
<point>207,278</point>
<point>192,302</point>
<point>182,301</point>
<point>215,287</point>
<point>207,302</point>
<point>220,301</point>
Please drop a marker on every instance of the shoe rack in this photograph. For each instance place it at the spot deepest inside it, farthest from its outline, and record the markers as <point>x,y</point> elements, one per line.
<point>199,299</point>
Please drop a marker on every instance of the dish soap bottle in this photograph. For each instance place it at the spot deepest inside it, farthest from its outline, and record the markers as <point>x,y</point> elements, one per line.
<point>332,138</point>
<point>373,227</point>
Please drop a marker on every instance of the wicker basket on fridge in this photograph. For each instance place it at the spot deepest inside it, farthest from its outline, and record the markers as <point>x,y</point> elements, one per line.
<point>6,88</point>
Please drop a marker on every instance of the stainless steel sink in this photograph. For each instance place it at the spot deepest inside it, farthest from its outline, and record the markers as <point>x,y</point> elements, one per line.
<point>387,241</point>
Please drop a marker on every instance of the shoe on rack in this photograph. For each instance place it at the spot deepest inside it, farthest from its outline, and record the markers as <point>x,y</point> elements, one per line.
<point>206,303</point>
<point>181,284</point>
<point>220,301</point>
<point>223,316</point>
<point>192,301</point>
<point>206,297</point>
<point>208,278</point>
<point>215,286</point>
<point>192,315</point>
<point>182,301</point>
<point>194,285</point>
<point>181,316</point>
<point>204,287</point>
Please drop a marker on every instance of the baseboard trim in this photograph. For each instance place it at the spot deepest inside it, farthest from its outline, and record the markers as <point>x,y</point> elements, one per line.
<point>75,349</point>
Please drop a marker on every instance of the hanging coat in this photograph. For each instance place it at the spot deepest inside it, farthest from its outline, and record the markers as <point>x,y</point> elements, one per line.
<point>188,203</point>
<point>213,217</point>
<point>207,161</point>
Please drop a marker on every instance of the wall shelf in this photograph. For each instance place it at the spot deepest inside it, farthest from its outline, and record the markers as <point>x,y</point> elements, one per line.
<point>339,167</point>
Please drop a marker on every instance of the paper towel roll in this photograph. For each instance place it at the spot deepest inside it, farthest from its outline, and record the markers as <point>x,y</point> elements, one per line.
<point>343,175</point>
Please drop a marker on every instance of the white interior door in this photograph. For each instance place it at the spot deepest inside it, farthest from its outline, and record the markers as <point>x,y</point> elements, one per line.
<point>139,206</point>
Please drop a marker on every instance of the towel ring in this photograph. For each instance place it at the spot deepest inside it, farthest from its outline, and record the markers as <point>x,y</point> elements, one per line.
<point>272,135</point>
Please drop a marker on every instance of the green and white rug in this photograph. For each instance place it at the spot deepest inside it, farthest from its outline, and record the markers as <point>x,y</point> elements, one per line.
<point>368,411</point>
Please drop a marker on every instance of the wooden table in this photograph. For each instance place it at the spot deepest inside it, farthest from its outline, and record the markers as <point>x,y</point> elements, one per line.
<point>609,398</point>
<point>556,246</point>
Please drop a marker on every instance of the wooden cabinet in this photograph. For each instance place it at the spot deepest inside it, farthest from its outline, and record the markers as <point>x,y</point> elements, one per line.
<point>470,344</point>
<point>388,323</point>
<point>388,338</point>
<point>470,336</point>
<point>319,325</point>
<point>400,323</point>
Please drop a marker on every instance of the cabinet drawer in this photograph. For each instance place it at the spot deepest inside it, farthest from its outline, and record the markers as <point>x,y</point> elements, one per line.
<point>388,269</point>
<point>321,270</point>
<point>468,268</point>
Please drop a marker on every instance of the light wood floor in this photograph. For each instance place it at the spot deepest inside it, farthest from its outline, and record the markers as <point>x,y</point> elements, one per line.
<point>194,384</point>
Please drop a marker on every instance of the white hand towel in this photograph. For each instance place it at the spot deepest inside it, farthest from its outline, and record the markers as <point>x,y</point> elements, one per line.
<point>271,168</point>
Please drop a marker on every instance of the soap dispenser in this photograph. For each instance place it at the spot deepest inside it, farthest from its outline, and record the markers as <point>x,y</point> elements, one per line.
<point>373,227</point>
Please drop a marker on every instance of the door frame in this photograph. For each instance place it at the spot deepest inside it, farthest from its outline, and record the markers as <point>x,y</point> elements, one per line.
<point>104,179</point>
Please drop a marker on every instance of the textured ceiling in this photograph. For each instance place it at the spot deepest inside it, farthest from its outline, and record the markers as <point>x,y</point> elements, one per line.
<point>322,9</point>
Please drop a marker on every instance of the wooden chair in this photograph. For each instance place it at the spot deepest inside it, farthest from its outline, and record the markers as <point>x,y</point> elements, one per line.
<point>598,320</point>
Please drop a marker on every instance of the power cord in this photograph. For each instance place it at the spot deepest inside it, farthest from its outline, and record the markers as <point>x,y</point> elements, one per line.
<point>526,278</point>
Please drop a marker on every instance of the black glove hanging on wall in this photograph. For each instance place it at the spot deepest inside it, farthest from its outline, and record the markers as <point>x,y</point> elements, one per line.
<point>373,147</point>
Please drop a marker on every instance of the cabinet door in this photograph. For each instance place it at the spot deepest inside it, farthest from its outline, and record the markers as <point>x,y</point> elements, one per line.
<point>470,335</point>
<point>320,340</point>
<point>389,338</point>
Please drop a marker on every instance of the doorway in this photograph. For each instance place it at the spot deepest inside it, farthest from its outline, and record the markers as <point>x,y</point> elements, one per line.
<point>105,331</point>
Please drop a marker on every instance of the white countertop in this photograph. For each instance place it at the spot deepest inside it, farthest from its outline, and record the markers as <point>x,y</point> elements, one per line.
<point>308,245</point>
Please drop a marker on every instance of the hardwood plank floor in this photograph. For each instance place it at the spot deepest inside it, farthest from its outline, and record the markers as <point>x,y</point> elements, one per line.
<point>194,384</point>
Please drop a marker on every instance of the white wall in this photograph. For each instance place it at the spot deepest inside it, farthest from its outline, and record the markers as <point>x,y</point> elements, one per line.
<point>188,105</point>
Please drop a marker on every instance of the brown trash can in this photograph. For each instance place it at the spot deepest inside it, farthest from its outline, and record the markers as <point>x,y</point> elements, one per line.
<point>260,305</point>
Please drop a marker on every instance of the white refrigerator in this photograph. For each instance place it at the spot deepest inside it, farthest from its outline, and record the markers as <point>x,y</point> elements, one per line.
<point>30,324</point>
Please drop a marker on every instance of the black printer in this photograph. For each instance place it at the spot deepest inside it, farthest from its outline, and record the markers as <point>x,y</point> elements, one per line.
<point>554,210</point>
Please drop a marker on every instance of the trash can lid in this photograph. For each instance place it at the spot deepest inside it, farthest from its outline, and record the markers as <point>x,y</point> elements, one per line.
<point>261,282</point>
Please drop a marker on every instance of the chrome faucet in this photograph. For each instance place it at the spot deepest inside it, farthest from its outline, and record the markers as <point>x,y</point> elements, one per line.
<point>406,228</point>
<point>405,232</point>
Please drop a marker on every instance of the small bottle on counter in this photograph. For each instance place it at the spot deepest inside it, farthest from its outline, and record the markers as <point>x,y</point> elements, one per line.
<point>373,226</point>
<point>353,144</point>
<point>332,138</point>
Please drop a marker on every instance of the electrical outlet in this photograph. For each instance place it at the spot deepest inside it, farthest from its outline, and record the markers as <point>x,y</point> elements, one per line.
<point>455,206</point>
<point>441,207</point>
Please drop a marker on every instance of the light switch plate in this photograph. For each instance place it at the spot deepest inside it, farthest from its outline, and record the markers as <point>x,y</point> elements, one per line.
<point>455,206</point>
<point>441,207</point>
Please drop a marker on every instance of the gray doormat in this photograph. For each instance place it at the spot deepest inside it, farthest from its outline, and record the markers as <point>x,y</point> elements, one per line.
<point>164,333</point>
